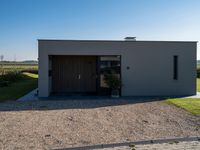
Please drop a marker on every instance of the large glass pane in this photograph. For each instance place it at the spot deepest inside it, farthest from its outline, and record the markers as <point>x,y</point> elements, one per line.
<point>109,64</point>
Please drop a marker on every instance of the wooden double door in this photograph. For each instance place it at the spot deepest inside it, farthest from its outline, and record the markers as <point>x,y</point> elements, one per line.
<point>73,74</point>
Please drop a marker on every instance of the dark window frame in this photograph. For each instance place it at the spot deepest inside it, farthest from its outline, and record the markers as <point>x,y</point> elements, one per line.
<point>101,90</point>
<point>175,67</point>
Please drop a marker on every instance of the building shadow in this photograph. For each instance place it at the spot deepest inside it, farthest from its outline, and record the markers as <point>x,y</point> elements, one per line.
<point>77,102</point>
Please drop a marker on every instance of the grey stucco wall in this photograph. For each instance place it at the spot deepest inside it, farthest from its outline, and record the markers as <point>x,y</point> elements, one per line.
<point>150,62</point>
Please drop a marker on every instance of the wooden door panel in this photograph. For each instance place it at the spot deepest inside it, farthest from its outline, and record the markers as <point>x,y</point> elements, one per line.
<point>65,72</point>
<point>88,74</point>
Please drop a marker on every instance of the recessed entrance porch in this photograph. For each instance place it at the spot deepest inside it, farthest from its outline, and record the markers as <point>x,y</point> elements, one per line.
<point>81,75</point>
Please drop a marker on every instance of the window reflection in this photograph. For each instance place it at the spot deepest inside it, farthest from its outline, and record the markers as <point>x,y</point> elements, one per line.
<point>109,64</point>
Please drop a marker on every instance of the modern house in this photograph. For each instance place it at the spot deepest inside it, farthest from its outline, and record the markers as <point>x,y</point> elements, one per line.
<point>146,68</point>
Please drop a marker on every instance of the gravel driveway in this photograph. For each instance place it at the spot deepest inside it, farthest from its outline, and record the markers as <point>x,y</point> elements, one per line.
<point>61,124</point>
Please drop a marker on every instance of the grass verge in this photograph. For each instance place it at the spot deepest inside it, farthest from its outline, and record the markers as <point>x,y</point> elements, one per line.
<point>190,104</point>
<point>31,75</point>
<point>198,84</point>
<point>19,88</point>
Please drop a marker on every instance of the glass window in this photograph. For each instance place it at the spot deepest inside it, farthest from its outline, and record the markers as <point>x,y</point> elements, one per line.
<point>109,64</point>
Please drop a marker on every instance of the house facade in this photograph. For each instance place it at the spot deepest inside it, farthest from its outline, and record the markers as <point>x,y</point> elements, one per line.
<point>146,68</point>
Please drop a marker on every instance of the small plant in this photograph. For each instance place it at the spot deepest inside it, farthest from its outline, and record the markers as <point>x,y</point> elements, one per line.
<point>114,83</point>
<point>131,145</point>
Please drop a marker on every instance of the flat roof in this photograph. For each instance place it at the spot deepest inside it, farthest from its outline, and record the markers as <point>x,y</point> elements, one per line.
<point>114,41</point>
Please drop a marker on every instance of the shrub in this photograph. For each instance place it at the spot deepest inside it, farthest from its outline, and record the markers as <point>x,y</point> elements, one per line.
<point>198,73</point>
<point>12,76</point>
<point>4,83</point>
<point>112,80</point>
<point>34,71</point>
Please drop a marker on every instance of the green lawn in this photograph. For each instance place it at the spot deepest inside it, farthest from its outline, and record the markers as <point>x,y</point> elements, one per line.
<point>198,84</point>
<point>190,104</point>
<point>31,75</point>
<point>19,88</point>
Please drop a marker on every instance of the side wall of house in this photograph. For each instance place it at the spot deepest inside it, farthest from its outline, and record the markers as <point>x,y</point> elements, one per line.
<point>150,64</point>
<point>151,69</point>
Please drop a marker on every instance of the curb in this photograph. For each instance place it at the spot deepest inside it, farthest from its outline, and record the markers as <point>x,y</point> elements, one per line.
<point>156,141</point>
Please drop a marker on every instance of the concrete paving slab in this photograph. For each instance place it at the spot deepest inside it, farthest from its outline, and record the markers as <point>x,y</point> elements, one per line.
<point>31,96</point>
<point>194,96</point>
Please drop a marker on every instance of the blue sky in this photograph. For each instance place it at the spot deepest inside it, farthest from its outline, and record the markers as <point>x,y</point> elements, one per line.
<point>22,22</point>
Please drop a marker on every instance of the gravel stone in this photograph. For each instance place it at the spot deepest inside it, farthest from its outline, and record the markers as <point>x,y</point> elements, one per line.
<point>71,123</point>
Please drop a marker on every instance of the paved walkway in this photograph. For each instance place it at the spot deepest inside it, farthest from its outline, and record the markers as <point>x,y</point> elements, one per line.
<point>31,96</point>
<point>194,96</point>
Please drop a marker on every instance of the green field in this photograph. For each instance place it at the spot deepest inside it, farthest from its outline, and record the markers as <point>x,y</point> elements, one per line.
<point>19,88</point>
<point>13,67</point>
<point>198,65</point>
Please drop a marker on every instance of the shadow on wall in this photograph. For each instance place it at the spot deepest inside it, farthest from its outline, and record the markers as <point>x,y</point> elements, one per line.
<point>73,103</point>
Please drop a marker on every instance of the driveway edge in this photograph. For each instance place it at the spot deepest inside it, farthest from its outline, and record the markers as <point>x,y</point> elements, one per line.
<point>156,141</point>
